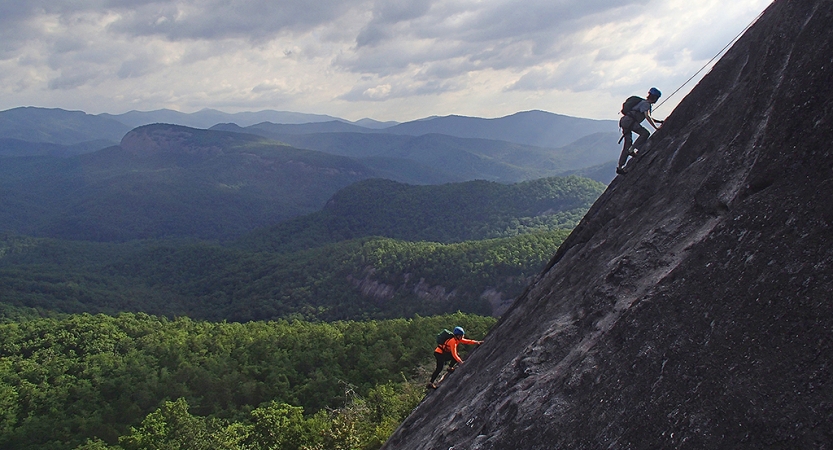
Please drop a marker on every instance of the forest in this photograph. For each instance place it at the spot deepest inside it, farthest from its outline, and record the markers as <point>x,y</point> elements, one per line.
<point>424,250</point>
<point>212,282</point>
<point>313,334</point>
<point>446,213</point>
<point>135,381</point>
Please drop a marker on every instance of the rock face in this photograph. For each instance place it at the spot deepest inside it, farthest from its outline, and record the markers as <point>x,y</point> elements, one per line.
<point>175,140</point>
<point>693,306</point>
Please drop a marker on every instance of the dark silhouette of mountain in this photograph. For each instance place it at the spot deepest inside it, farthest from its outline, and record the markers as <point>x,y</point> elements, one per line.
<point>58,126</point>
<point>169,181</point>
<point>691,307</point>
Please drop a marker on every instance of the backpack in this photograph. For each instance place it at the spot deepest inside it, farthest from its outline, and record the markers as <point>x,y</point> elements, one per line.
<point>444,336</point>
<point>630,104</point>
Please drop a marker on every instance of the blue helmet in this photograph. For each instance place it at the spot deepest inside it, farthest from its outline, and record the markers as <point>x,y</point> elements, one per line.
<point>458,331</point>
<point>654,91</point>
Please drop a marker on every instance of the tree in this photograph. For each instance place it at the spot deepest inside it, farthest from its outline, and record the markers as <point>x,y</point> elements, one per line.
<point>172,427</point>
<point>279,426</point>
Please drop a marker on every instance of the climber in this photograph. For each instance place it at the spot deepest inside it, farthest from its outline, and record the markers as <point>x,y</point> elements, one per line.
<point>635,110</point>
<point>447,352</point>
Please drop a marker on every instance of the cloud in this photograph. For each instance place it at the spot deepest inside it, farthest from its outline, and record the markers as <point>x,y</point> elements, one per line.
<point>179,19</point>
<point>253,20</point>
<point>353,55</point>
<point>454,39</point>
<point>137,67</point>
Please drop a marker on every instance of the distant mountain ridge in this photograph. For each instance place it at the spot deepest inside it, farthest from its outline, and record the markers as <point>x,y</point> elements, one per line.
<point>538,128</point>
<point>206,118</point>
<point>521,146</point>
<point>535,128</point>
<point>450,158</point>
<point>175,181</point>
<point>169,181</point>
<point>58,126</point>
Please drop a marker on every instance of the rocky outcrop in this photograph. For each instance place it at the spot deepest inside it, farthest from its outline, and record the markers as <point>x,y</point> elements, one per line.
<point>498,301</point>
<point>374,289</point>
<point>151,140</point>
<point>691,308</point>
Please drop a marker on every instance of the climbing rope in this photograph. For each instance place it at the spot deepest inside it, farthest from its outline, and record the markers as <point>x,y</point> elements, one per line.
<point>713,58</point>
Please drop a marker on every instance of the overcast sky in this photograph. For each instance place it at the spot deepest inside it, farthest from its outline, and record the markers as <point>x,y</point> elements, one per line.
<point>383,59</point>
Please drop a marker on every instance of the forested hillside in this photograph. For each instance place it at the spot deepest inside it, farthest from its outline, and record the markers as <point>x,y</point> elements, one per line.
<point>362,278</point>
<point>132,381</point>
<point>149,382</point>
<point>378,250</point>
<point>444,213</point>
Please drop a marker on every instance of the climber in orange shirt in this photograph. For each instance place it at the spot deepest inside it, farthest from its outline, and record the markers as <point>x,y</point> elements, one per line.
<point>447,352</point>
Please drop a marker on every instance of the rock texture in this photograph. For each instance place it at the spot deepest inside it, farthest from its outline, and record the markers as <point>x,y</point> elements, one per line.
<point>692,307</point>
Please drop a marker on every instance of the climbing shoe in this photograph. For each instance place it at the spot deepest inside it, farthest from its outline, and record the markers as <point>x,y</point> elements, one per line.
<point>620,170</point>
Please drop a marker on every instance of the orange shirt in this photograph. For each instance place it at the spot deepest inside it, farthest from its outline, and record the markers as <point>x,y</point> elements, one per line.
<point>450,346</point>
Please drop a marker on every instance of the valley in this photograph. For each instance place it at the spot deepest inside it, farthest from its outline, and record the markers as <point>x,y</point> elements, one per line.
<point>144,273</point>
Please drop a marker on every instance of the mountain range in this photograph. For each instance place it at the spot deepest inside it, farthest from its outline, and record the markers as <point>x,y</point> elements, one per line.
<point>169,181</point>
<point>532,128</point>
<point>63,177</point>
<point>434,150</point>
<point>208,117</point>
<point>58,126</point>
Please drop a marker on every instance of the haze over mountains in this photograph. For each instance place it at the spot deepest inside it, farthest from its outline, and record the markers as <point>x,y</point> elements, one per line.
<point>72,175</point>
<point>274,214</point>
<point>57,126</point>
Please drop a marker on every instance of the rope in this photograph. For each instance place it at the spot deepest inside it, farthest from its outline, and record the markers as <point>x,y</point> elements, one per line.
<point>713,57</point>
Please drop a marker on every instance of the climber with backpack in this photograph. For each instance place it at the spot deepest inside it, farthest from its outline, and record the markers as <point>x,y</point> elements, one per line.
<point>635,110</point>
<point>446,351</point>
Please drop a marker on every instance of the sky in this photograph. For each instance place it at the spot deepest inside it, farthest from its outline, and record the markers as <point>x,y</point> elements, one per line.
<point>389,60</point>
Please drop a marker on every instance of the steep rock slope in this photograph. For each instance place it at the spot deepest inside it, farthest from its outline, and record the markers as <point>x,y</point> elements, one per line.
<point>691,308</point>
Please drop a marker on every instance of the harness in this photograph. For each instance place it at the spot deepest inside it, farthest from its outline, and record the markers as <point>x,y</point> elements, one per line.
<point>444,346</point>
<point>629,128</point>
